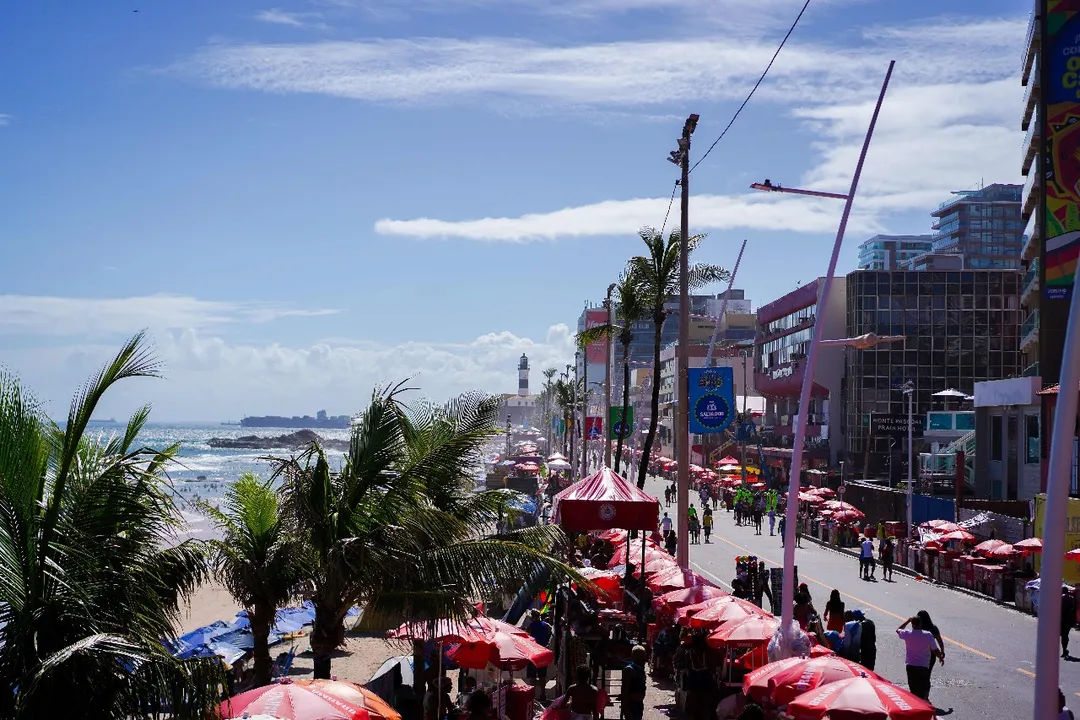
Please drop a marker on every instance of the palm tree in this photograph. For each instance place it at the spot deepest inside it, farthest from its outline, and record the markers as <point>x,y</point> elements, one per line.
<point>91,576</point>
<point>564,400</point>
<point>628,310</point>
<point>256,559</point>
<point>656,274</point>
<point>547,405</point>
<point>398,529</point>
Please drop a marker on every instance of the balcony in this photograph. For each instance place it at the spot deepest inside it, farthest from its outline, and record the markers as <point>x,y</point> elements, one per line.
<point>1029,331</point>
<point>1030,148</point>
<point>1032,370</point>
<point>1031,96</point>
<point>1032,45</point>
<point>1031,282</point>
<point>1031,194</point>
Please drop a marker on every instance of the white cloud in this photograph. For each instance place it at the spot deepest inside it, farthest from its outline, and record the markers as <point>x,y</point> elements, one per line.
<point>293,19</point>
<point>209,377</point>
<point>101,317</point>
<point>4,119</point>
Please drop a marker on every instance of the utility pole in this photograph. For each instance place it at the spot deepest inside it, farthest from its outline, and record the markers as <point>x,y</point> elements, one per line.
<point>573,414</point>
<point>681,157</point>
<point>909,390</point>
<point>607,381</point>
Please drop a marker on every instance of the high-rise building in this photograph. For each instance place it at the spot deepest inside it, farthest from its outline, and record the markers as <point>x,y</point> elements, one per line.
<point>1031,250</point>
<point>961,327</point>
<point>889,252</point>
<point>983,225</point>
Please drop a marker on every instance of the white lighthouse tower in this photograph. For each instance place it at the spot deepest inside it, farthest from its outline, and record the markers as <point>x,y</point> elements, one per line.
<point>523,376</point>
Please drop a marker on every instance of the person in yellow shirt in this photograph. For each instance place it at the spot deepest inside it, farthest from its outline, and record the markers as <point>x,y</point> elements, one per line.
<point>706,523</point>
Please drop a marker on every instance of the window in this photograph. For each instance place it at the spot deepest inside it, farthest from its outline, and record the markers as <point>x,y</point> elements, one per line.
<point>995,438</point>
<point>1031,434</point>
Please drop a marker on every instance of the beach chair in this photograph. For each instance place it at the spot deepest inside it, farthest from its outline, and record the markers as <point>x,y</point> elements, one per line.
<point>283,664</point>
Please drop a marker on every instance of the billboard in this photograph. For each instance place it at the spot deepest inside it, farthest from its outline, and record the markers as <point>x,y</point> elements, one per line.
<point>617,426</point>
<point>1061,130</point>
<point>596,353</point>
<point>712,399</point>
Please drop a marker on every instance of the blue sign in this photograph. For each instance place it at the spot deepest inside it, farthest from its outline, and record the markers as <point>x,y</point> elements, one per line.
<point>594,432</point>
<point>712,399</point>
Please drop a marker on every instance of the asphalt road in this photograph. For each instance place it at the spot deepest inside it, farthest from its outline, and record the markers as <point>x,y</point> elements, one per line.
<point>989,650</point>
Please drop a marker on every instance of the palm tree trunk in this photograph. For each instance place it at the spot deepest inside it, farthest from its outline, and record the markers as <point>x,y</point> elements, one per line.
<point>324,638</point>
<point>625,402</point>
<point>261,619</point>
<point>643,471</point>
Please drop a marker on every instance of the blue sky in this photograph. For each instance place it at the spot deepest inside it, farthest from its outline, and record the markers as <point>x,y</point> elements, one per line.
<point>304,199</point>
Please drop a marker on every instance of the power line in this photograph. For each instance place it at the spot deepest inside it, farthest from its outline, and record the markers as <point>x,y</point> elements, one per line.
<point>756,86</point>
<point>670,203</point>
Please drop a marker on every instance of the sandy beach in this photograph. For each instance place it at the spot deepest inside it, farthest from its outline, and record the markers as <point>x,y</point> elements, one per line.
<point>361,656</point>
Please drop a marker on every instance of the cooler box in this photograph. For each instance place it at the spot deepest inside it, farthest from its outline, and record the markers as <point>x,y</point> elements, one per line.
<point>519,702</point>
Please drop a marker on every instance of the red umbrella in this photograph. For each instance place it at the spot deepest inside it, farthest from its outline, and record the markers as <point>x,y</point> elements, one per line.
<point>289,701</point>
<point>960,535</point>
<point>492,625</point>
<point>1004,552</point>
<point>756,684</point>
<point>941,526</point>
<point>1073,554</point>
<point>673,579</point>
<point>727,461</point>
<point>988,546</point>
<point>823,492</point>
<point>748,633</point>
<point>759,656</point>
<point>689,596</point>
<point>505,650</point>
<point>661,562</point>
<point>840,505</point>
<point>725,611</point>
<point>849,516</point>
<point>621,555</point>
<point>357,695</point>
<point>791,682</point>
<point>683,614</point>
<point>443,630</point>
<point>1029,545</point>
<point>862,697</point>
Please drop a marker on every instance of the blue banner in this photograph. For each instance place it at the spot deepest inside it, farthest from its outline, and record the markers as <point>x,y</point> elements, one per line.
<point>712,399</point>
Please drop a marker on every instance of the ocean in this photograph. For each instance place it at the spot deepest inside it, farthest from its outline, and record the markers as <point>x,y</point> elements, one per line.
<point>202,472</point>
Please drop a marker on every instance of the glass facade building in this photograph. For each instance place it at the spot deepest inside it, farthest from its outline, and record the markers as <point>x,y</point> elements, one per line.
<point>985,226</point>
<point>889,252</point>
<point>962,327</point>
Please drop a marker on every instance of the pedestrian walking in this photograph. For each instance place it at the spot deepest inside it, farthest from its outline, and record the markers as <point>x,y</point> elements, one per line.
<point>634,685</point>
<point>671,542</point>
<point>919,645</point>
<point>782,527</point>
<point>834,612</point>
<point>761,586</point>
<point>1068,618</point>
<point>772,520</point>
<point>851,643</point>
<point>929,626</point>
<point>665,525</point>
<point>866,557</point>
<point>694,528</point>
<point>706,523</point>
<point>667,497</point>
<point>888,551</point>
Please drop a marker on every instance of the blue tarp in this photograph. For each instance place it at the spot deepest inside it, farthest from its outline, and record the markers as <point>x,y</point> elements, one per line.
<point>524,504</point>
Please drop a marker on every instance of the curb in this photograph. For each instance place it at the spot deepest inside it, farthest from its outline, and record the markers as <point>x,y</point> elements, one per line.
<point>904,570</point>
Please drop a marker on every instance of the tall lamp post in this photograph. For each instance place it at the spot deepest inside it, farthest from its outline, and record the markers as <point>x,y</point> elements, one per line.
<point>909,390</point>
<point>573,415</point>
<point>681,157</point>
<point>788,591</point>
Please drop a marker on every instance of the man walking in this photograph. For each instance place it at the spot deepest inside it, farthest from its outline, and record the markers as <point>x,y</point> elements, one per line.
<point>919,646</point>
<point>634,685</point>
<point>772,520</point>
<point>665,525</point>
<point>1068,618</point>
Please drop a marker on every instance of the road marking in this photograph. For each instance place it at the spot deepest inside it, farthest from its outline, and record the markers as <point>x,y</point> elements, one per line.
<point>1028,673</point>
<point>957,643</point>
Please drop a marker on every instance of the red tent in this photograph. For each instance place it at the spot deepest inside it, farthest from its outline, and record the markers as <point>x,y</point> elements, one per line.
<point>605,500</point>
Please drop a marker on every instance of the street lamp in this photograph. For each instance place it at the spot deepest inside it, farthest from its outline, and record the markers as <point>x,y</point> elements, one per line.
<point>908,389</point>
<point>606,436</point>
<point>767,186</point>
<point>788,592</point>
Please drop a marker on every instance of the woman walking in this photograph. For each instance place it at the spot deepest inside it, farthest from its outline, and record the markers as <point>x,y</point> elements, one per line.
<point>834,612</point>
<point>930,627</point>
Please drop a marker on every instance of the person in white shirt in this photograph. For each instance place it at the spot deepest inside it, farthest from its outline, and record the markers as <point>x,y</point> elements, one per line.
<point>665,525</point>
<point>866,558</point>
<point>920,645</point>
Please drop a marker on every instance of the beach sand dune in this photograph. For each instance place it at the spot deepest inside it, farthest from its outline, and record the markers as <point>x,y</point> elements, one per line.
<point>361,656</point>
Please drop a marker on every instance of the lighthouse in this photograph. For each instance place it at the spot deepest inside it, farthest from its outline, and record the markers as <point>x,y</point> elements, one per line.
<point>523,376</point>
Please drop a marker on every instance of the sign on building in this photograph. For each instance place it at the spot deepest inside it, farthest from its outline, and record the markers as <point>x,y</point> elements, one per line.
<point>895,425</point>
<point>712,399</point>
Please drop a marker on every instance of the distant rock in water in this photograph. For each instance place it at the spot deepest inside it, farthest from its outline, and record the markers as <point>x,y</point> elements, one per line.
<point>292,441</point>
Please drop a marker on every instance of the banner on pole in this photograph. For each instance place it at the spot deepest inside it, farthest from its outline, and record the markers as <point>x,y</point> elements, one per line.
<point>594,428</point>
<point>558,425</point>
<point>711,398</point>
<point>620,427</point>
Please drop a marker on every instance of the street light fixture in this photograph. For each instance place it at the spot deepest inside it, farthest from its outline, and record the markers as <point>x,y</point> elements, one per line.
<point>791,518</point>
<point>767,186</point>
<point>908,389</point>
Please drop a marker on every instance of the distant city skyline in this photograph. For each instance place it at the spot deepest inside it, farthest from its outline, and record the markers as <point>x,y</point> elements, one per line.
<point>307,200</point>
